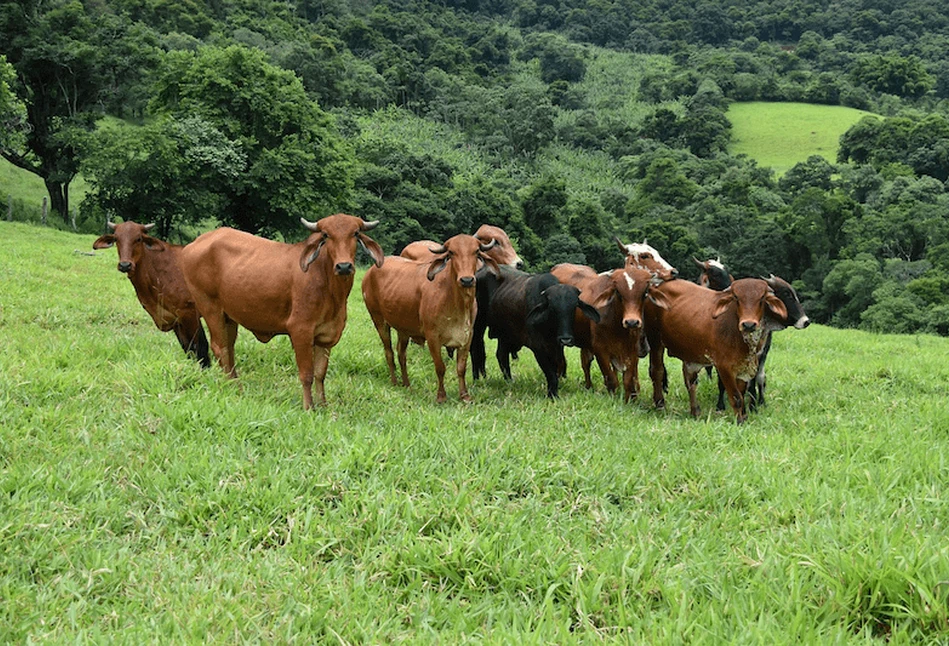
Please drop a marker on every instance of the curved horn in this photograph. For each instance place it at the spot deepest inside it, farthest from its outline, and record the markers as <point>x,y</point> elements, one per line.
<point>312,226</point>
<point>148,227</point>
<point>112,225</point>
<point>699,262</point>
<point>490,245</point>
<point>619,243</point>
<point>369,226</point>
<point>772,283</point>
<point>438,250</point>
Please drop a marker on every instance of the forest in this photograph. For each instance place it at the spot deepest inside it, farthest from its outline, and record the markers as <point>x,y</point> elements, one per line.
<point>564,122</point>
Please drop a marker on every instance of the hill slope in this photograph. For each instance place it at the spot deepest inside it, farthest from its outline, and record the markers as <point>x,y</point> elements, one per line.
<point>147,500</point>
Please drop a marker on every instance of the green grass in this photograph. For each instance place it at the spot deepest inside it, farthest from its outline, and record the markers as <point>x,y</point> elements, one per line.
<point>145,500</point>
<point>779,135</point>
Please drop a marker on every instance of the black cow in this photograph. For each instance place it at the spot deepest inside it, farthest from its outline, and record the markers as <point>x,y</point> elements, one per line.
<point>796,318</point>
<point>526,310</point>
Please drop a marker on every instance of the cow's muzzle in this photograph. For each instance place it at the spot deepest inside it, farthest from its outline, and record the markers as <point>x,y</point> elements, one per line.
<point>749,326</point>
<point>344,268</point>
<point>125,266</point>
<point>565,340</point>
<point>802,323</point>
<point>632,324</point>
<point>467,281</point>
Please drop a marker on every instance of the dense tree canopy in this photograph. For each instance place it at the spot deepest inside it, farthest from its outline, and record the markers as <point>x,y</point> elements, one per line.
<point>565,122</point>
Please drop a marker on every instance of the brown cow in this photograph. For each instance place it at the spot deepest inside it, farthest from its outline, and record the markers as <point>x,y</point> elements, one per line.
<point>615,340</point>
<point>152,266</point>
<point>276,288</point>
<point>704,327</point>
<point>502,252</point>
<point>642,256</point>
<point>425,303</point>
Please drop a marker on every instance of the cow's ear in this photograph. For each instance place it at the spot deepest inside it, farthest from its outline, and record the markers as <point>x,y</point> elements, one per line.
<point>601,293</point>
<point>776,305</point>
<point>724,300</point>
<point>153,244</point>
<point>490,264</point>
<point>437,266</point>
<point>372,248</point>
<point>104,242</point>
<point>657,298</point>
<point>589,311</point>
<point>538,313</point>
<point>311,250</point>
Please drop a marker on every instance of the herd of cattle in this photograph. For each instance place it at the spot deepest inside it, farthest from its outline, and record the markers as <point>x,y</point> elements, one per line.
<point>448,295</point>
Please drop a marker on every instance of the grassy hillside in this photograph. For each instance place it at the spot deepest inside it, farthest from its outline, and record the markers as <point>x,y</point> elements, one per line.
<point>779,135</point>
<point>147,500</point>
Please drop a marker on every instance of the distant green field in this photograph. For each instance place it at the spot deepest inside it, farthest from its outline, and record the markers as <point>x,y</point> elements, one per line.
<point>20,184</point>
<point>780,135</point>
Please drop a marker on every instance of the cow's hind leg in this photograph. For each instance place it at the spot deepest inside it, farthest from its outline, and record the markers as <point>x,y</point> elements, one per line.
<point>403,347</point>
<point>690,374</point>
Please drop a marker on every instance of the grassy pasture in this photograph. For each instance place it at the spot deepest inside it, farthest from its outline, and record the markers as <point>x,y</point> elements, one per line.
<point>145,500</point>
<point>780,135</point>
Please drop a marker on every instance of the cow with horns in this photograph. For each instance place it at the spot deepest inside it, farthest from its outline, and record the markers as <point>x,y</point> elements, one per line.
<point>703,327</point>
<point>429,302</point>
<point>274,288</point>
<point>502,251</point>
<point>153,268</point>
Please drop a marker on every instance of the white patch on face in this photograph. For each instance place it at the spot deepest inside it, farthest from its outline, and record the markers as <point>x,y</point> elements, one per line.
<point>635,249</point>
<point>629,281</point>
<point>801,323</point>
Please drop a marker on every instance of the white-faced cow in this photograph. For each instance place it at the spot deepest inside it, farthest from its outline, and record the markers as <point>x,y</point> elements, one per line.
<point>641,255</point>
<point>152,266</point>
<point>429,302</point>
<point>274,288</point>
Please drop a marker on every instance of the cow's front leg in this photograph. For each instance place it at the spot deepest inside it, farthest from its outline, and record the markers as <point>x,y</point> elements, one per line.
<point>435,349</point>
<point>461,366</point>
<point>304,349</point>
<point>321,362</point>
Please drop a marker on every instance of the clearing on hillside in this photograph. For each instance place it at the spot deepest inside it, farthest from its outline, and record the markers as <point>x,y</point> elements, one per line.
<point>780,135</point>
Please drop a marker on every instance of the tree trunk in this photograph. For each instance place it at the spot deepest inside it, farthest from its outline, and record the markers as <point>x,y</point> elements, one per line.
<point>58,197</point>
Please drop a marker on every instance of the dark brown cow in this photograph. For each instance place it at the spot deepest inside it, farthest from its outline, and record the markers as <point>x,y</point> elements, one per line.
<point>502,252</point>
<point>703,327</point>
<point>615,340</point>
<point>429,302</point>
<point>642,256</point>
<point>152,266</point>
<point>274,288</point>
